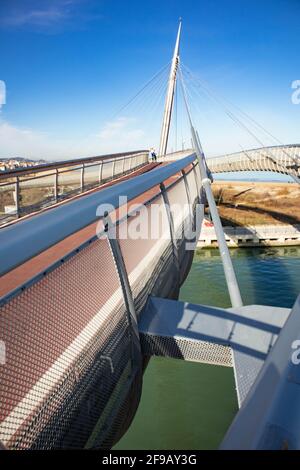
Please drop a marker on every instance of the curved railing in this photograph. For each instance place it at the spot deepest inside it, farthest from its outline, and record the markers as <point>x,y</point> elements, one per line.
<point>71,376</point>
<point>23,191</point>
<point>283,159</point>
<point>26,239</point>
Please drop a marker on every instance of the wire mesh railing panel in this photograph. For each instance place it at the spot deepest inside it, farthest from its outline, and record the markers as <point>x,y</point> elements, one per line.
<point>147,250</point>
<point>68,354</point>
<point>71,376</point>
<point>180,209</point>
<point>191,181</point>
<point>192,229</point>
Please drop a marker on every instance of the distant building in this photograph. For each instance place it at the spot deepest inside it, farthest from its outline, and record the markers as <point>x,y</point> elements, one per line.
<point>13,163</point>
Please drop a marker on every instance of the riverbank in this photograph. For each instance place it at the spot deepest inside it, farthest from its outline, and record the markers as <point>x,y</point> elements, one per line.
<point>243,204</point>
<point>251,236</point>
<point>255,214</point>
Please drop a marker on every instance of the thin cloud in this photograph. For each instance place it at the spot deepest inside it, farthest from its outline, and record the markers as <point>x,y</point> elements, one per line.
<point>36,17</point>
<point>49,16</point>
<point>115,136</point>
<point>22,142</point>
<point>121,130</point>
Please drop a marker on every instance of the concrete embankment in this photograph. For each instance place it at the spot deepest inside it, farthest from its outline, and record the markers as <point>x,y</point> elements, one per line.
<point>256,235</point>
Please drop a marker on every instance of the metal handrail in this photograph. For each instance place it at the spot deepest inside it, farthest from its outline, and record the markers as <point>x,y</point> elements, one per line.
<point>20,242</point>
<point>75,168</point>
<point>67,163</point>
<point>17,181</point>
<point>282,159</point>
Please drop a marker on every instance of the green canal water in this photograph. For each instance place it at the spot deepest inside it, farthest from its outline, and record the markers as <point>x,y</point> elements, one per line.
<point>190,406</point>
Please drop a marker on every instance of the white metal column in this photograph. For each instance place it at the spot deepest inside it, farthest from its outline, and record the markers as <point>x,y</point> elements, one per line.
<point>169,98</point>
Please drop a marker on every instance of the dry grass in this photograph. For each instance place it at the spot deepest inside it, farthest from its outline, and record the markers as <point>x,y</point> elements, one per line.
<point>243,203</point>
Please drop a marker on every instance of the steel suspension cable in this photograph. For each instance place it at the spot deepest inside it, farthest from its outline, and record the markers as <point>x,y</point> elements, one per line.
<point>237,121</point>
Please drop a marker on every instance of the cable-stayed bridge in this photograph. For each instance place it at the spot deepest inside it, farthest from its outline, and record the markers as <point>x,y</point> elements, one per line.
<point>93,254</point>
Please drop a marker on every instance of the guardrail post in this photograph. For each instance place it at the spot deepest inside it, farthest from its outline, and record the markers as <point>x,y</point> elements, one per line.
<point>17,201</point>
<point>123,167</point>
<point>56,185</point>
<point>126,289</point>
<point>171,226</point>
<point>130,163</point>
<point>82,178</point>
<point>231,280</point>
<point>100,172</point>
<point>113,169</point>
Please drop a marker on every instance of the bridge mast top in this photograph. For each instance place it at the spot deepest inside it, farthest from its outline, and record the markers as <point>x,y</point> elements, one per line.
<point>170,97</point>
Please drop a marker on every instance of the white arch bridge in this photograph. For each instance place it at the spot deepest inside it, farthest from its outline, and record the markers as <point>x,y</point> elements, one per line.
<point>283,159</point>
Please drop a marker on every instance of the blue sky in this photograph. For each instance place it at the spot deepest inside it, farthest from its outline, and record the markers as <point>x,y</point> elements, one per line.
<point>69,65</point>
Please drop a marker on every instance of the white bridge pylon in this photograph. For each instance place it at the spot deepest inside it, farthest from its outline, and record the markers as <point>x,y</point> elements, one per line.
<point>165,130</point>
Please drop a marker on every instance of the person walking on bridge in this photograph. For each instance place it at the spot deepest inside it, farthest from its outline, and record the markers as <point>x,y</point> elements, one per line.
<point>153,155</point>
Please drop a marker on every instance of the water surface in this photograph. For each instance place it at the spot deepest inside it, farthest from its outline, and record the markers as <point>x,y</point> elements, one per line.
<point>186,405</point>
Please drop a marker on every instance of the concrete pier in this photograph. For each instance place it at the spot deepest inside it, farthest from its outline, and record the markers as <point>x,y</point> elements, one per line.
<point>258,235</point>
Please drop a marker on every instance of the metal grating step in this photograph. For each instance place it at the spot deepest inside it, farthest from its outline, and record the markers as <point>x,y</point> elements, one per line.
<point>188,350</point>
<point>238,337</point>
